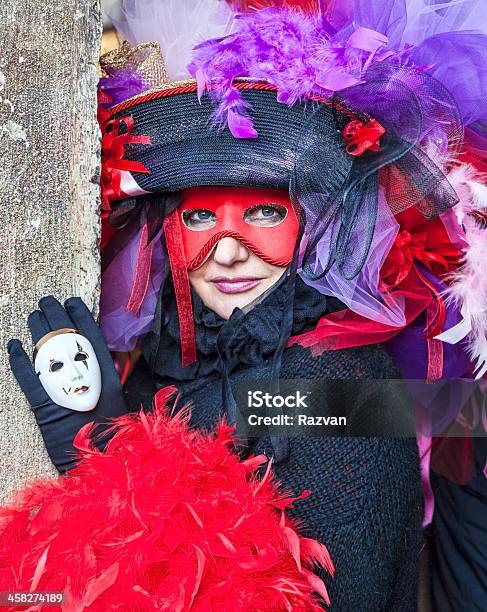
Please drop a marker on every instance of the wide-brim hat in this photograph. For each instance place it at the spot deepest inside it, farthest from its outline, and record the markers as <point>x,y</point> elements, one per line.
<point>331,153</point>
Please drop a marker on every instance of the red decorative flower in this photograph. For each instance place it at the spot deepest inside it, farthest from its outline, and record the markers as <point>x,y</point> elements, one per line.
<point>116,133</point>
<point>363,136</point>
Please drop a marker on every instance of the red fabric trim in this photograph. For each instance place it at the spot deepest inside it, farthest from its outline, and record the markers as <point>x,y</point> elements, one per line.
<point>142,273</point>
<point>196,262</point>
<point>346,329</point>
<point>174,241</point>
<point>435,319</point>
<point>126,370</point>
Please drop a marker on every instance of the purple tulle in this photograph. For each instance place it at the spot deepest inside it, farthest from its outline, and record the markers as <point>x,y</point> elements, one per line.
<point>427,18</point>
<point>456,233</point>
<point>445,37</point>
<point>459,61</point>
<point>295,52</point>
<point>361,294</point>
<point>389,17</point>
<point>120,327</point>
<point>409,22</point>
<point>120,85</point>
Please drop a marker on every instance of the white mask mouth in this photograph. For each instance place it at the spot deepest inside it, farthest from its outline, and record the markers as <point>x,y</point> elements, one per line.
<point>68,369</point>
<point>77,390</point>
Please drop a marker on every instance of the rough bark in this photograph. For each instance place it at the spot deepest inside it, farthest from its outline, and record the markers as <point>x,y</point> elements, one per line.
<point>49,195</point>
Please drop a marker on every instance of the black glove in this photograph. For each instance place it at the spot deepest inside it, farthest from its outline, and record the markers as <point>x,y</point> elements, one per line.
<point>59,425</point>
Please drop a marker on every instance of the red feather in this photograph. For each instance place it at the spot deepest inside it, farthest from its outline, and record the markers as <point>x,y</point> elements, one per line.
<point>99,584</point>
<point>307,6</point>
<point>314,552</point>
<point>40,567</point>
<point>168,518</point>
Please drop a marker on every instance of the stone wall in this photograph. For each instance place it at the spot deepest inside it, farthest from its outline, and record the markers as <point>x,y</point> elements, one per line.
<point>49,195</point>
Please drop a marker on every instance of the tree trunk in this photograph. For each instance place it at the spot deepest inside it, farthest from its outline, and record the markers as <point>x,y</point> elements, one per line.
<point>49,194</point>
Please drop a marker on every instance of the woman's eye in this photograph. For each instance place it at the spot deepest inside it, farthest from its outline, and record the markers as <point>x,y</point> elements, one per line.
<point>265,214</point>
<point>55,366</point>
<point>81,356</point>
<point>199,219</point>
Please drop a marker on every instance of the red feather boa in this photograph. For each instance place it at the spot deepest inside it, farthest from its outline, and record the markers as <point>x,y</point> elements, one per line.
<point>167,518</point>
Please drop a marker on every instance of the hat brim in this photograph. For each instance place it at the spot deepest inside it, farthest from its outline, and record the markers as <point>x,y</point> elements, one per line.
<point>187,149</point>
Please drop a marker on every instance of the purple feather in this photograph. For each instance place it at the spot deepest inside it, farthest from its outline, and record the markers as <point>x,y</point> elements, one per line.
<point>299,54</point>
<point>121,85</point>
<point>291,50</point>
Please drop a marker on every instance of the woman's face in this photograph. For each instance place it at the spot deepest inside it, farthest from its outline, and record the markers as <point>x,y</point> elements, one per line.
<point>216,221</point>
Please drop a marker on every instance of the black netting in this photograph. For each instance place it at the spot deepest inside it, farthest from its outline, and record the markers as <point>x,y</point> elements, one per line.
<point>423,133</point>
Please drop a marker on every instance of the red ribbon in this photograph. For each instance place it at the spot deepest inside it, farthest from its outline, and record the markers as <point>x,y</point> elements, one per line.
<point>142,273</point>
<point>112,151</point>
<point>179,270</point>
<point>363,136</point>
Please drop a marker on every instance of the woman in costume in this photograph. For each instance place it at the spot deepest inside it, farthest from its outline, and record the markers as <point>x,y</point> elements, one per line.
<point>325,175</point>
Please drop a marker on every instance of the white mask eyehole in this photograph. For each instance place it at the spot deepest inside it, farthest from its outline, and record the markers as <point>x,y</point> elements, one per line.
<point>55,365</point>
<point>81,355</point>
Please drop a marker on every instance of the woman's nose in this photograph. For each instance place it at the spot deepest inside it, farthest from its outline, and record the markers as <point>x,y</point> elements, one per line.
<point>229,251</point>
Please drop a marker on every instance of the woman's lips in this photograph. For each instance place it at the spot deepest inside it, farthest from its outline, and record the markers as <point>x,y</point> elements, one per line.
<point>235,285</point>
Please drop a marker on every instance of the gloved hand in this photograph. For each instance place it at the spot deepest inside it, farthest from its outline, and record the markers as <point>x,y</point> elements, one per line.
<point>60,425</point>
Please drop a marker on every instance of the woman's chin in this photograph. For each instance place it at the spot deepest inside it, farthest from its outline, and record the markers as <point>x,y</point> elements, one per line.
<point>223,297</point>
<point>225,304</point>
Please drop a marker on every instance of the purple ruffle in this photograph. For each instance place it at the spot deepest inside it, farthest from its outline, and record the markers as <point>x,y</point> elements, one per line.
<point>361,294</point>
<point>459,61</point>
<point>120,327</point>
<point>445,38</point>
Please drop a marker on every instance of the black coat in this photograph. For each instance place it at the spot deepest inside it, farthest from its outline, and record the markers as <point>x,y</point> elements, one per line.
<point>366,500</point>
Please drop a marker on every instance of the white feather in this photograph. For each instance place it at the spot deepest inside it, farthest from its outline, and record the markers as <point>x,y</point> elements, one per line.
<point>468,288</point>
<point>178,25</point>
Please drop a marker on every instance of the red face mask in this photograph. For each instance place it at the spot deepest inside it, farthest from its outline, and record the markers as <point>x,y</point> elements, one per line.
<point>263,220</point>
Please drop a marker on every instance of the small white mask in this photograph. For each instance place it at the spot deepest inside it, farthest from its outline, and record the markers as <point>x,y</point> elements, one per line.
<point>69,371</point>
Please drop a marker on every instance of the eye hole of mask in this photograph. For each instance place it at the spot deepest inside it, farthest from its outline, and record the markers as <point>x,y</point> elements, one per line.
<point>198,219</point>
<point>81,356</point>
<point>265,215</point>
<point>55,366</point>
